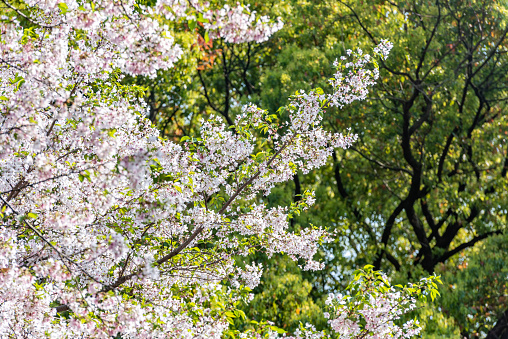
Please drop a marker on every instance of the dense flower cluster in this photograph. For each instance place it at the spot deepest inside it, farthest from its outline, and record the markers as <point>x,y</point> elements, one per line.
<point>379,316</point>
<point>107,228</point>
<point>353,79</point>
<point>372,308</point>
<point>236,26</point>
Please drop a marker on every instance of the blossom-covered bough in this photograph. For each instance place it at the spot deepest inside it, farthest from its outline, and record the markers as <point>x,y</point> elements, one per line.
<point>371,308</point>
<point>109,230</point>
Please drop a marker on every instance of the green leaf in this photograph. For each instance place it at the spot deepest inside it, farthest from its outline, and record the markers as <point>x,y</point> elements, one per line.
<point>63,7</point>
<point>433,294</point>
<point>32,215</point>
<point>240,313</point>
<point>277,329</point>
<point>201,19</point>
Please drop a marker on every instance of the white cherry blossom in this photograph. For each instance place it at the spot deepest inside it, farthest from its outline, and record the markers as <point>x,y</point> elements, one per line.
<point>106,227</point>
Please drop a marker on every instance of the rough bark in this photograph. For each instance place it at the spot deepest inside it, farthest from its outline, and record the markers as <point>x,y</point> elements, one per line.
<point>500,330</point>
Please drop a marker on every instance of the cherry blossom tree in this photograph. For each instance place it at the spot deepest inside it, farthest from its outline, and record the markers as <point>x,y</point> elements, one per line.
<point>110,230</point>
<point>371,308</point>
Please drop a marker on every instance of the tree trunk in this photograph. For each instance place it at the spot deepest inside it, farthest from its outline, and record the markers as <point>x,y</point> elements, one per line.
<point>500,330</point>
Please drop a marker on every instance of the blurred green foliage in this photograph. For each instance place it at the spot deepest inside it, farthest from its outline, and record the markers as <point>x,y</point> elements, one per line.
<point>475,292</point>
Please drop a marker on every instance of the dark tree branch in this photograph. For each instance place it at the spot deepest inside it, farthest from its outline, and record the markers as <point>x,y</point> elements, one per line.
<point>442,158</point>
<point>468,244</point>
<point>428,42</point>
<point>385,237</point>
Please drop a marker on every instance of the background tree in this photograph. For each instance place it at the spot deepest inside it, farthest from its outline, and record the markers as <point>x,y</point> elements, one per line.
<point>475,291</point>
<point>430,171</point>
<point>427,181</point>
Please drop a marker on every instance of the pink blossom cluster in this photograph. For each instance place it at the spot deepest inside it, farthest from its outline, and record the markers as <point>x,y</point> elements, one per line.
<point>383,49</point>
<point>379,315</point>
<point>353,79</point>
<point>372,308</point>
<point>106,224</point>
<point>236,25</point>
